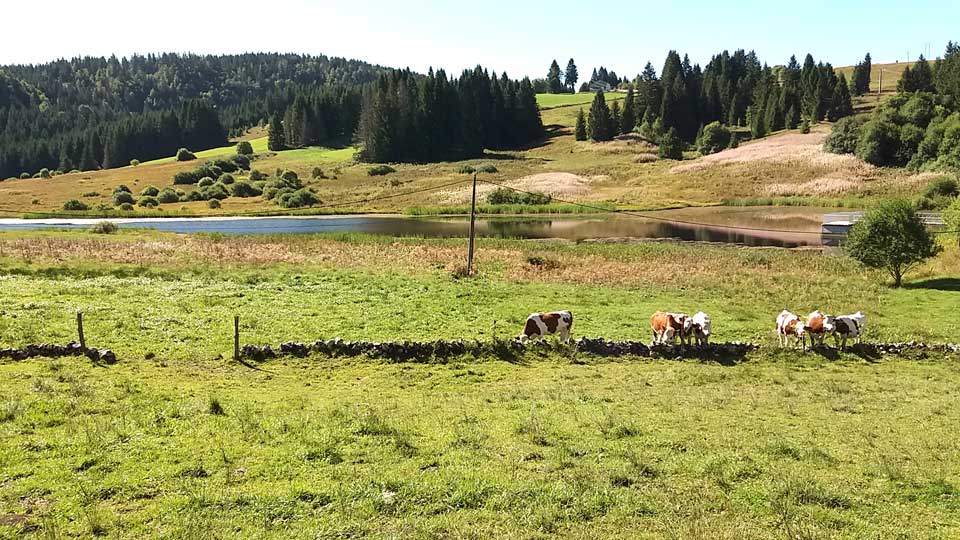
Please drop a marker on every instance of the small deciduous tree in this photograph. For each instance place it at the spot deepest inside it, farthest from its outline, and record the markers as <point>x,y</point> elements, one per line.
<point>714,138</point>
<point>891,237</point>
<point>951,216</point>
<point>244,148</point>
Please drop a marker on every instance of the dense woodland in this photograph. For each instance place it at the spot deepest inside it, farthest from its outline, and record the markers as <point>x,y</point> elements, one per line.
<point>87,113</point>
<point>918,128</point>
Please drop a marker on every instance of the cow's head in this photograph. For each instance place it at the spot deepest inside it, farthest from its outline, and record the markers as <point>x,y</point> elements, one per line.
<point>829,323</point>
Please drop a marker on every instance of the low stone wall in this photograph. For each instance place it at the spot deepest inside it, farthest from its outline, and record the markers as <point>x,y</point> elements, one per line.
<point>50,350</point>
<point>423,350</point>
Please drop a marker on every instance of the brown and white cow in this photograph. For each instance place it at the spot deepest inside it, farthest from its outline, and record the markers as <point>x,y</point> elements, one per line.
<point>668,327</point>
<point>701,328</point>
<point>788,324</point>
<point>539,325</point>
<point>817,327</point>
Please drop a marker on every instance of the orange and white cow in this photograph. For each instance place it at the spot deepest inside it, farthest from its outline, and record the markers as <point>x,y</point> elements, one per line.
<point>539,325</point>
<point>668,327</point>
<point>789,325</point>
<point>817,327</point>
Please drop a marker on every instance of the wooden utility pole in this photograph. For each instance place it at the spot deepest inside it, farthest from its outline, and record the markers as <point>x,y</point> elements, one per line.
<point>236,337</point>
<point>473,212</point>
<point>880,86</point>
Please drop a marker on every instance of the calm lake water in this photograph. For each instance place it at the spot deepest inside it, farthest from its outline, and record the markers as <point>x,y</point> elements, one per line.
<point>785,226</point>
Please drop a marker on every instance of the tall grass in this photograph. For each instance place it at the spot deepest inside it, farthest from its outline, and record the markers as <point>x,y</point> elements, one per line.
<point>508,209</point>
<point>821,202</point>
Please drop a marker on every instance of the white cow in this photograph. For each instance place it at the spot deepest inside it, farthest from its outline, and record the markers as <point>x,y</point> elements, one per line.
<point>701,328</point>
<point>788,324</point>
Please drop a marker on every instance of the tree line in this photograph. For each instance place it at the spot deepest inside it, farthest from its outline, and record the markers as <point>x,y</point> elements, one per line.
<point>53,111</point>
<point>406,118</point>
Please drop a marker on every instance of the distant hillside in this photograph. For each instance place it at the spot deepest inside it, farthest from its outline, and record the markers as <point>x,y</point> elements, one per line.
<point>891,75</point>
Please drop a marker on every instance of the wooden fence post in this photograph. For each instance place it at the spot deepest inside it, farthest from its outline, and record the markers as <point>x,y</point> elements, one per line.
<point>236,337</point>
<point>83,341</point>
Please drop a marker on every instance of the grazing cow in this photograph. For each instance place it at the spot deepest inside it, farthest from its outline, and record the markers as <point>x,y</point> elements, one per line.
<point>538,325</point>
<point>848,326</point>
<point>700,324</point>
<point>668,327</point>
<point>817,326</point>
<point>788,325</point>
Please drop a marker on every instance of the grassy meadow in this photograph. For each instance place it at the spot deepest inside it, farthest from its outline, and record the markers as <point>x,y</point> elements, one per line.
<point>177,441</point>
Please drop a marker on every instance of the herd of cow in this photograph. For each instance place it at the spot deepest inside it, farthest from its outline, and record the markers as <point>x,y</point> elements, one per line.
<point>668,328</point>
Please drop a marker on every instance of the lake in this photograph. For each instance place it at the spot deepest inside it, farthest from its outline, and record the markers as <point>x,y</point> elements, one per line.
<point>775,226</point>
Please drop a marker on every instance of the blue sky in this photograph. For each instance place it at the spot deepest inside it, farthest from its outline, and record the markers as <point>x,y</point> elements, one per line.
<point>520,37</point>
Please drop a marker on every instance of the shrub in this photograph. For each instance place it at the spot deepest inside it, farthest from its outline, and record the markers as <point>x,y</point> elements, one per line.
<point>256,176</point>
<point>951,216</point>
<point>945,186</point>
<point>878,143</point>
<point>844,136</point>
<point>122,187</point>
<point>104,227</point>
<point>225,165</point>
<point>213,203</point>
<point>126,207</point>
<point>148,202</point>
<point>466,169</point>
<point>244,189</point>
<point>216,191</point>
<point>671,147</point>
<point>44,173</point>
<point>75,205</point>
<point>509,196</point>
<point>244,148</point>
<point>134,162</point>
<point>149,191</point>
<point>805,126</point>
<point>715,137</point>
<point>891,237</point>
<point>486,168</point>
<point>226,179</point>
<point>185,155</point>
<point>241,161</point>
<point>205,181</point>
<point>122,197</point>
<point>298,199</point>
<point>24,175</point>
<point>380,170</point>
<point>317,173</point>
<point>289,176</point>
<point>168,196</point>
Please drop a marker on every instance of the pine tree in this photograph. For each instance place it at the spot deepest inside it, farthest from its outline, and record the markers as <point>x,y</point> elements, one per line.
<point>840,103</point>
<point>275,140</point>
<point>570,76</point>
<point>615,118</point>
<point>671,147</point>
<point>553,78</point>
<point>628,119</point>
<point>649,94</point>
<point>599,119</point>
<point>580,133</point>
<point>88,159</point>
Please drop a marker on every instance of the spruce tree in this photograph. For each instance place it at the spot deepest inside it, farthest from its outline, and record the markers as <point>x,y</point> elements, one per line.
<point>553,78</point>
<point>671,147</point>
<point>599,119</point>
<point>275,140</point>
<point>628,118</point>
<point>570,76</point>
<point>840,103</point>
<point>580,133</point>
<point>615,119</point>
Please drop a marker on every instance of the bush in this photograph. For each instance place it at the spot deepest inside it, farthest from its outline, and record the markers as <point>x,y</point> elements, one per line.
<point>878,143</point>
<point>380,170</point>
<point>205,181</point>
<point>805,126</point>
<point>671,147</point>
<point>466,169</point>
<point>122,197</point>
<point>185,155</point>
<point>74,205</point>
<point>226,179</point>
<point>891,237</point>
<point>715,137</point>
<point>486,168</point>
<point>844,136</point>
<point>148,202</point>
<point>241,161</point>
<point>168,196</point>
<point>256,176</point>
<point>24,176</point>
<point>317,173</point>
<point>244,190</point>
<point>104,227</point>
<point>213,204</point>
<point>951,216</point>
<point>509,196</point>
<point>134,162</point>
<point>149,191</point>
<point>44,173</point>
<point>122,188</point>
<point>945,186</point>
<point>298,199</point>
<point>126,207</point>
<point>289,176</point>
<point>244,148</point>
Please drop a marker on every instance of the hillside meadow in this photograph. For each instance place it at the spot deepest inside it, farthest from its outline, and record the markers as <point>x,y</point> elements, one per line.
<point>178,441</point>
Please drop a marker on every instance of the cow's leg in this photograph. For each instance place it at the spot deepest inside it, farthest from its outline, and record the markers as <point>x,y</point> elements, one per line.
<point>565,335</point>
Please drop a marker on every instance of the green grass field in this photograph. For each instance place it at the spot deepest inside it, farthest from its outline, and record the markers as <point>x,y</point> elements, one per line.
<point>177,441</point>
<point>551,101</point>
